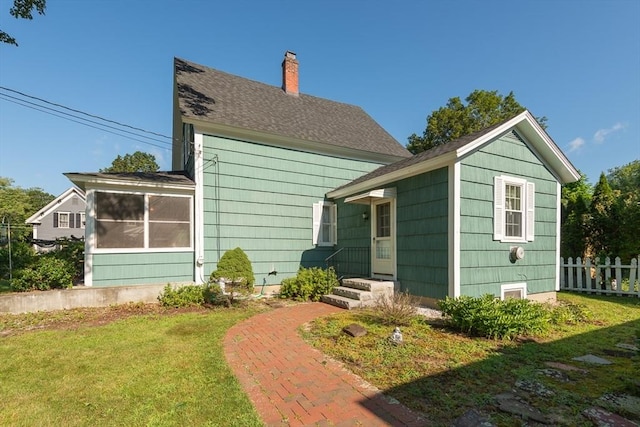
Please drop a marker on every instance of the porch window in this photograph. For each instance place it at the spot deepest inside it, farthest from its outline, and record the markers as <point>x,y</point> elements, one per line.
<point>143,221</point>
<point>514,209</point>
<point>325,229</point>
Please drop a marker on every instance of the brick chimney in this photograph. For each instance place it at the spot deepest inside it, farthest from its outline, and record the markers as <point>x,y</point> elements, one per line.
<point>290,73</point>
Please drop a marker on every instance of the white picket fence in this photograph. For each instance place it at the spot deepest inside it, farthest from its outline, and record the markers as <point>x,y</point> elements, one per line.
<point>597,278</point>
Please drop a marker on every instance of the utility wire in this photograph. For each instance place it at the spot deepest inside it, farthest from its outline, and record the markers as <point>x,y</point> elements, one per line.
<point>84,113</point>
<point>41,107</point>
<point>63,116</point>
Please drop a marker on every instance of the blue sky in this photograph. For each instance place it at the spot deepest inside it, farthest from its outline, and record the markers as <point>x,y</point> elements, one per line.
<point>577,62</point>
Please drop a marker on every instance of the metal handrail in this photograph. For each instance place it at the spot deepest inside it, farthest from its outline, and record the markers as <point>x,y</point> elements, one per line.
<point>326,260</point>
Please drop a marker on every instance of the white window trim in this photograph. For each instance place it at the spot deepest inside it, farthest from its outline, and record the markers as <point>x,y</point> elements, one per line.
<point>318,210</point>
<point>528,209</point>
<point>146,249</point>
<point>513,287</point>
<point>68,214</point>
<point>83,219</point>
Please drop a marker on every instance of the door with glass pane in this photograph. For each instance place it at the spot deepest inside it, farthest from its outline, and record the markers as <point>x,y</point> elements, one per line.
<point>383,239</point>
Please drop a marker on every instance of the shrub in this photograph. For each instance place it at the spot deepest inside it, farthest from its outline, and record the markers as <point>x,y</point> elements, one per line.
<point>22,256</point>
<point>48,272</point>
<point>492,318</point>
<point>309,284</point>
<point>566,313</point>
<point>213,295</point>
<point>184,296</point>
<point>398,309</point>
<point>234,268</point>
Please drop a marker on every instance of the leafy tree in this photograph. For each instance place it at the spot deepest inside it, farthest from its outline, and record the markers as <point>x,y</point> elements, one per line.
<point>603,224</point>
<point>23,9</point>
<point>625,182</point>
<point>18,204</point>
<point>576,198</point>
<point>483,109</point>
<point>136,162</point>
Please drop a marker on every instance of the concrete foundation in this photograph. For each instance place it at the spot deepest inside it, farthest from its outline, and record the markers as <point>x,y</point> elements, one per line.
<point>61,299</point>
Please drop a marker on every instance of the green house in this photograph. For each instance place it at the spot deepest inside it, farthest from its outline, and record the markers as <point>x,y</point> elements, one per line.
<point>295,180</point>
<point>477,215</point>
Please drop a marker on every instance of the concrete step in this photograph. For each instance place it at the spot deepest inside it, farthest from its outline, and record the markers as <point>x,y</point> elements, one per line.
<point>342,302</point>
<point>375,286</point>
<point>353,293</point>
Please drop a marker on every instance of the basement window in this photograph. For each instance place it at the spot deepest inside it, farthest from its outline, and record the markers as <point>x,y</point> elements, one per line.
<point>513,291</point>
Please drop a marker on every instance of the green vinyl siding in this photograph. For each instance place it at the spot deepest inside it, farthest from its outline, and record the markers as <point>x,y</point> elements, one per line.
<point>354,238</point>
<point>484,262</point>
<point>141,268</point>
<point>260,197</point>
<point>422,242</point>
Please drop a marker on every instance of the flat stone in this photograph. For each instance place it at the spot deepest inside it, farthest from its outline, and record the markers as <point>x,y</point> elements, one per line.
<point>555,374</point>
<point>595,360</point>
<point>565,367</point>
<point>534,387</point>
<point>524,410</point>
<point>619,353</point>
<point>472,418</point>
<point>627,346</point>
<point>603,418</point>
<point>624,403</point>
<point>355,330</point>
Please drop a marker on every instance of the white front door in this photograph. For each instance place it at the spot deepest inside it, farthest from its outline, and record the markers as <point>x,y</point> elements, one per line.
<point>383,248</point>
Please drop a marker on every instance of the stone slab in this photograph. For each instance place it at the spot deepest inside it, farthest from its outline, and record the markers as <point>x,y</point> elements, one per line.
<point>624,403</point>
<point>627,346</point>
<point>565,367</point>
<point>472,418</point>
<point>355,330</point>
<point>603,418</point>
<point>594,360</point>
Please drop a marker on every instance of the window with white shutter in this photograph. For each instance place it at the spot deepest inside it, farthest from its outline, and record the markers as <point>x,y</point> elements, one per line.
<point>513,209</point>
<point>325,229</point>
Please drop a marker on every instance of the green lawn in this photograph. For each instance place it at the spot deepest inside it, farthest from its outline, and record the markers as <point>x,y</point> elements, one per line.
<point>442,373</point>
<point>155,369</point>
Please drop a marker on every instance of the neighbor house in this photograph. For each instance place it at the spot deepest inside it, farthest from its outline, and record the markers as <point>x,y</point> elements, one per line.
<point>295,180</point>
<point>62,218</point>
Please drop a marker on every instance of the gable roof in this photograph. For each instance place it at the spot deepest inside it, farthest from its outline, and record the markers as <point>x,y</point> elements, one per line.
<point>446,154</point>
<point>51,206</point>
<point>218,98</point>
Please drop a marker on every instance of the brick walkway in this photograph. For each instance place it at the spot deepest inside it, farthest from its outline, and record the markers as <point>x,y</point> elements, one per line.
<point>292,384</point>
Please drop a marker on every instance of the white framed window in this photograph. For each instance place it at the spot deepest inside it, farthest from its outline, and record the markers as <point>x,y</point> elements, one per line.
<point>325,227</point>
<point>513,209</point>
<point>61,220</point>
<point>83,219</point>
<point>513,290</point>
<point>143,221</point>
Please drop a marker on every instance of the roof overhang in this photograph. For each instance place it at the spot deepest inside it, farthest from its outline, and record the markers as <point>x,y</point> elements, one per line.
<point>226,131</point>
<point>524,123</point>
<point>368,197</point>
<point>92,181</point>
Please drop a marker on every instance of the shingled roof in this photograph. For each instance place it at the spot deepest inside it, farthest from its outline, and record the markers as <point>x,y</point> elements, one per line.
<point>451,151</point>
<point>224,99</point>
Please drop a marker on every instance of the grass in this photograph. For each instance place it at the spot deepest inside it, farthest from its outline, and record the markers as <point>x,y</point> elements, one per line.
<point>148,367</point>
<point>442,373</point>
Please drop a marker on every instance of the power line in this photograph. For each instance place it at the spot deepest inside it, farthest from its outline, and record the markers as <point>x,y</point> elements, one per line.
<point>84,113</point>
<point>62,116</point>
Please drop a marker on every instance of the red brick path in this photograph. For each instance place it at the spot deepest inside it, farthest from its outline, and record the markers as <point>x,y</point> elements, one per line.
<point>292,384</point>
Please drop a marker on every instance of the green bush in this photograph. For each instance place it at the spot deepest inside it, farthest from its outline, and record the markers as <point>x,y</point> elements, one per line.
<point>184,296</point>
<point>234,268</point>
<point>48,272</point>
<point>213,295</point>
<point>566,313</point>
<point>309,284</point>
<point>492,318</point>
<point>22,256</point>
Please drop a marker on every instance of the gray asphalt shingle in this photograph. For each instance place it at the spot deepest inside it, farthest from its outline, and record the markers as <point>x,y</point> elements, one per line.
<point>221,98</point>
